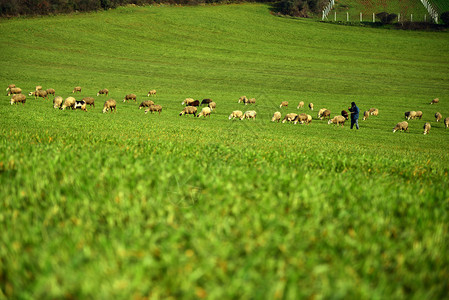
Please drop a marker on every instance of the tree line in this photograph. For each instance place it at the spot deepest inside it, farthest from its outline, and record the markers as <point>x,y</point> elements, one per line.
<point>11,8</point>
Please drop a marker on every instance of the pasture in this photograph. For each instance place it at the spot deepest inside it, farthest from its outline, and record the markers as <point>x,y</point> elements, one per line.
<point>129,205</point>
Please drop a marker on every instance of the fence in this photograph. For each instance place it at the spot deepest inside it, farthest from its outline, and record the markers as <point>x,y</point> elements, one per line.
<point>346,17</point>
<point>432,11</point>
<point>328,8</point>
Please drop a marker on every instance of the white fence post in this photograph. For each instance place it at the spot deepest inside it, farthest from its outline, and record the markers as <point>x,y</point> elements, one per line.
<point>411,17</point>
<point>432,11</point>
<point>327,9</point>
<point>347,16</point>
<point>361,18</point>
<point>373,18</point>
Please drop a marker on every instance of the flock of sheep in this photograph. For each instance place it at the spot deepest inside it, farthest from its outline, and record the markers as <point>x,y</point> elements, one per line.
<point>191,107</point>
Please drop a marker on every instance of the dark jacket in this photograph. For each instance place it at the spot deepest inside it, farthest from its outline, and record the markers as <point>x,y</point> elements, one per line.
<point>354,112</point>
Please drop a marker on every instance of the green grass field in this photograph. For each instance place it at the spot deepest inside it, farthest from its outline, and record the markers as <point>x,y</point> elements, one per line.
<point>134,206</point>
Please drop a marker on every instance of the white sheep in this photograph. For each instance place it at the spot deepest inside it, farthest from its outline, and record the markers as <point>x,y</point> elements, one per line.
<point>57,102</point>
<point>50,91</point>
<point>130,97</point>
<point>154,108</point>
<point>373,111</point>
<point>326,114</point>
<point>301,118</point>
<point>146,103</point>
<point>365,115</point>
<point>111,105</point>
<point>89,101</point>
<point>276,117</point>
<point>402,126</point>
<point>337,120</point>
<point>418,114</point>
<point>438,117</point>
<point>410,115</point>
<point>204,112</point>
<point>250,114</point>
<point>212,105</point>
<point>311,106</point>
<point>10,86</point>
<point>300,104</point>
<point>151,93</point>
<point>235,114</point>
<point>13,91</point>
<point>426,127</point>
<point>243,99</point>
<point>39,93</point>
<point>309,119</point>
<point>446,122</point>
<point>187,101</point>
<point>68,102</point>
<point>320,112</point>
<point>38,88</point>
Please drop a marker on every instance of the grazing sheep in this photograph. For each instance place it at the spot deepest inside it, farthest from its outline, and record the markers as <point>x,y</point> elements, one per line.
<point>76,89</point>
<point>38,88</point>
<point>301,118</point>
<point>426,128</point>
<point>204,112</point>
<point>68,102</point>
<point>80,105</point>
<point>89,101</point>
<point>251,101</point>
<point>250,114</point>
<point>345,114</point>
<point>434,101</point>
<point>146,103</point>
<point>326,114</point>
<point>309,119</point>
<point>195,103</point>
<point>373,111</point>
<point>10,86</point>
<point>57,102</point>
<point>365,115</point>
<point>212,105</point>
<point>283,103</point>
<point>14,91</point>
<point>311,106</point>
<point>103,92</point>
<point>39,93</point>
<point>206,101</point>
<point>446,122</point>
<point>300,104</point>
<point>151,93</point>
<point>18,98</point>
<point>402,126</point>
<point>110,105</point>
<point>289,117</point>
<point>130,97</point>
<point>51,92</point>
<point>235,114</point>
<point>438,117</point>
<point>337,120</point>
<point>418,114</point>
<point>154,108</point>
<point>320,112</point>
<point>410,115</point>
<point>276,117</point>
<point>243,99</point>
<point>189,110</point>
<point>187,101</point>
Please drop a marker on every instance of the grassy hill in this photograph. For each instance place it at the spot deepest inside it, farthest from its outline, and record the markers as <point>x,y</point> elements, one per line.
<point>405,8</point>
<point>135,206</point>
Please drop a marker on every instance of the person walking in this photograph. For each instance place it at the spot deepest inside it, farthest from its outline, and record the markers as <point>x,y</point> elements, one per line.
<point>354,115</point>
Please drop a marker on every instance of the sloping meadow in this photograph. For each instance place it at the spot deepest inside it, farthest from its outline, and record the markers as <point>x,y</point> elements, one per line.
<point>133,205</point>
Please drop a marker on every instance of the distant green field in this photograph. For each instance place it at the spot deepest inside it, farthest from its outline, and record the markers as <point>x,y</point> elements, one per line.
<point>405,8</point>
<point>131,205</point>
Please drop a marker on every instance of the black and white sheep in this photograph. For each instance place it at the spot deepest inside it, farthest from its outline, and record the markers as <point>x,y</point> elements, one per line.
<point>80,105</point>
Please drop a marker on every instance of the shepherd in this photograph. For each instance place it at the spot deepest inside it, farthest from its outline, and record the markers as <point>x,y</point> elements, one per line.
<point>354,110</point>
